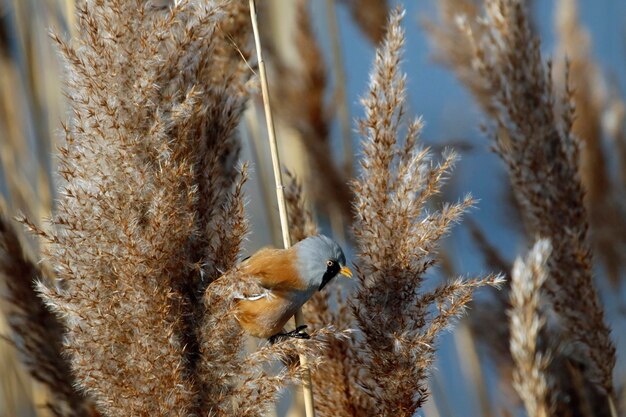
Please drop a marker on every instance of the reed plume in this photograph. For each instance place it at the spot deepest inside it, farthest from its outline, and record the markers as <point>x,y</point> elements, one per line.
<point>497,57</point>
<point>37,333</point>
<point>301,221</point>
<point>531,377</point>
<point>602,200</point>
<point>382,368</point>
<point>152,214</point>
<point>370,16</point>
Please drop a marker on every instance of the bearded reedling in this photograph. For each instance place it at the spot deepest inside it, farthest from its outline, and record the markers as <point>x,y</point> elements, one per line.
<point>288,278</point>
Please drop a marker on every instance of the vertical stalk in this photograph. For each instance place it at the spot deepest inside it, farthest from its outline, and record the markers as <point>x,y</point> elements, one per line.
<point>340,87</point>
<point>612,407</point>
<point>280,196</point>
<point>470,366</point>
<point>70,15</point>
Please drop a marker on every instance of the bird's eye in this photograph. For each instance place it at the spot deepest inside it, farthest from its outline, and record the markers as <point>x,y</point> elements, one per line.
<point>330,263</point>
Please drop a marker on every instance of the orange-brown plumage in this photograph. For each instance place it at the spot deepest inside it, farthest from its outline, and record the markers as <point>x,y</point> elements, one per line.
<point>274,268</point>
<point>288,278</point>
<point>265,317</point>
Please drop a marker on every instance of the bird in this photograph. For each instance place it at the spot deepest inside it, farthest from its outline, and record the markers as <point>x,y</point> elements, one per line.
<point>287,278</point>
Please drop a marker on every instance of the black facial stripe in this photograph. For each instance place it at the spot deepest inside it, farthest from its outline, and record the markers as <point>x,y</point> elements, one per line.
<point>331,271</point>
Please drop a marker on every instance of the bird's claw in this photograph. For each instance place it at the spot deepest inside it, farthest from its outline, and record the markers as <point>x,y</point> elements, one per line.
<point>298,333</point>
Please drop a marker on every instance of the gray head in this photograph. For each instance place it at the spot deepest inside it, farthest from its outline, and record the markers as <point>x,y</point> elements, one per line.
<point>320,259</point>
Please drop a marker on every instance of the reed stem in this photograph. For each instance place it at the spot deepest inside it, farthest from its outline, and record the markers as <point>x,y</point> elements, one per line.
<point>340,87</point>
<point>280,197</point>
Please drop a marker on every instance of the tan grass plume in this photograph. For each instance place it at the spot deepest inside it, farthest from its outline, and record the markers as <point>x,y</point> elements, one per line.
<point>151,213</point>
<point>496,55</point>
<point>382,369</point>
<point>531,377</point>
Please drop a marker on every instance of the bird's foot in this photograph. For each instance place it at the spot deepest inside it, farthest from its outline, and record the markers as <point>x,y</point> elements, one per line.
<point>298,333</point>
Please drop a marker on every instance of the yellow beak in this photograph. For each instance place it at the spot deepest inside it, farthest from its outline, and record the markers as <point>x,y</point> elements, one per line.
<point>345,271</point>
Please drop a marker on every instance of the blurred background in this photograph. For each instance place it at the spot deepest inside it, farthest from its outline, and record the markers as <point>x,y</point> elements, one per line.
<point>467,377</point>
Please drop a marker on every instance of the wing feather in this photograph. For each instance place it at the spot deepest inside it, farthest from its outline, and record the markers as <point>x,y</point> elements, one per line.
<point>275,269</point>
<point>254,297</point>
